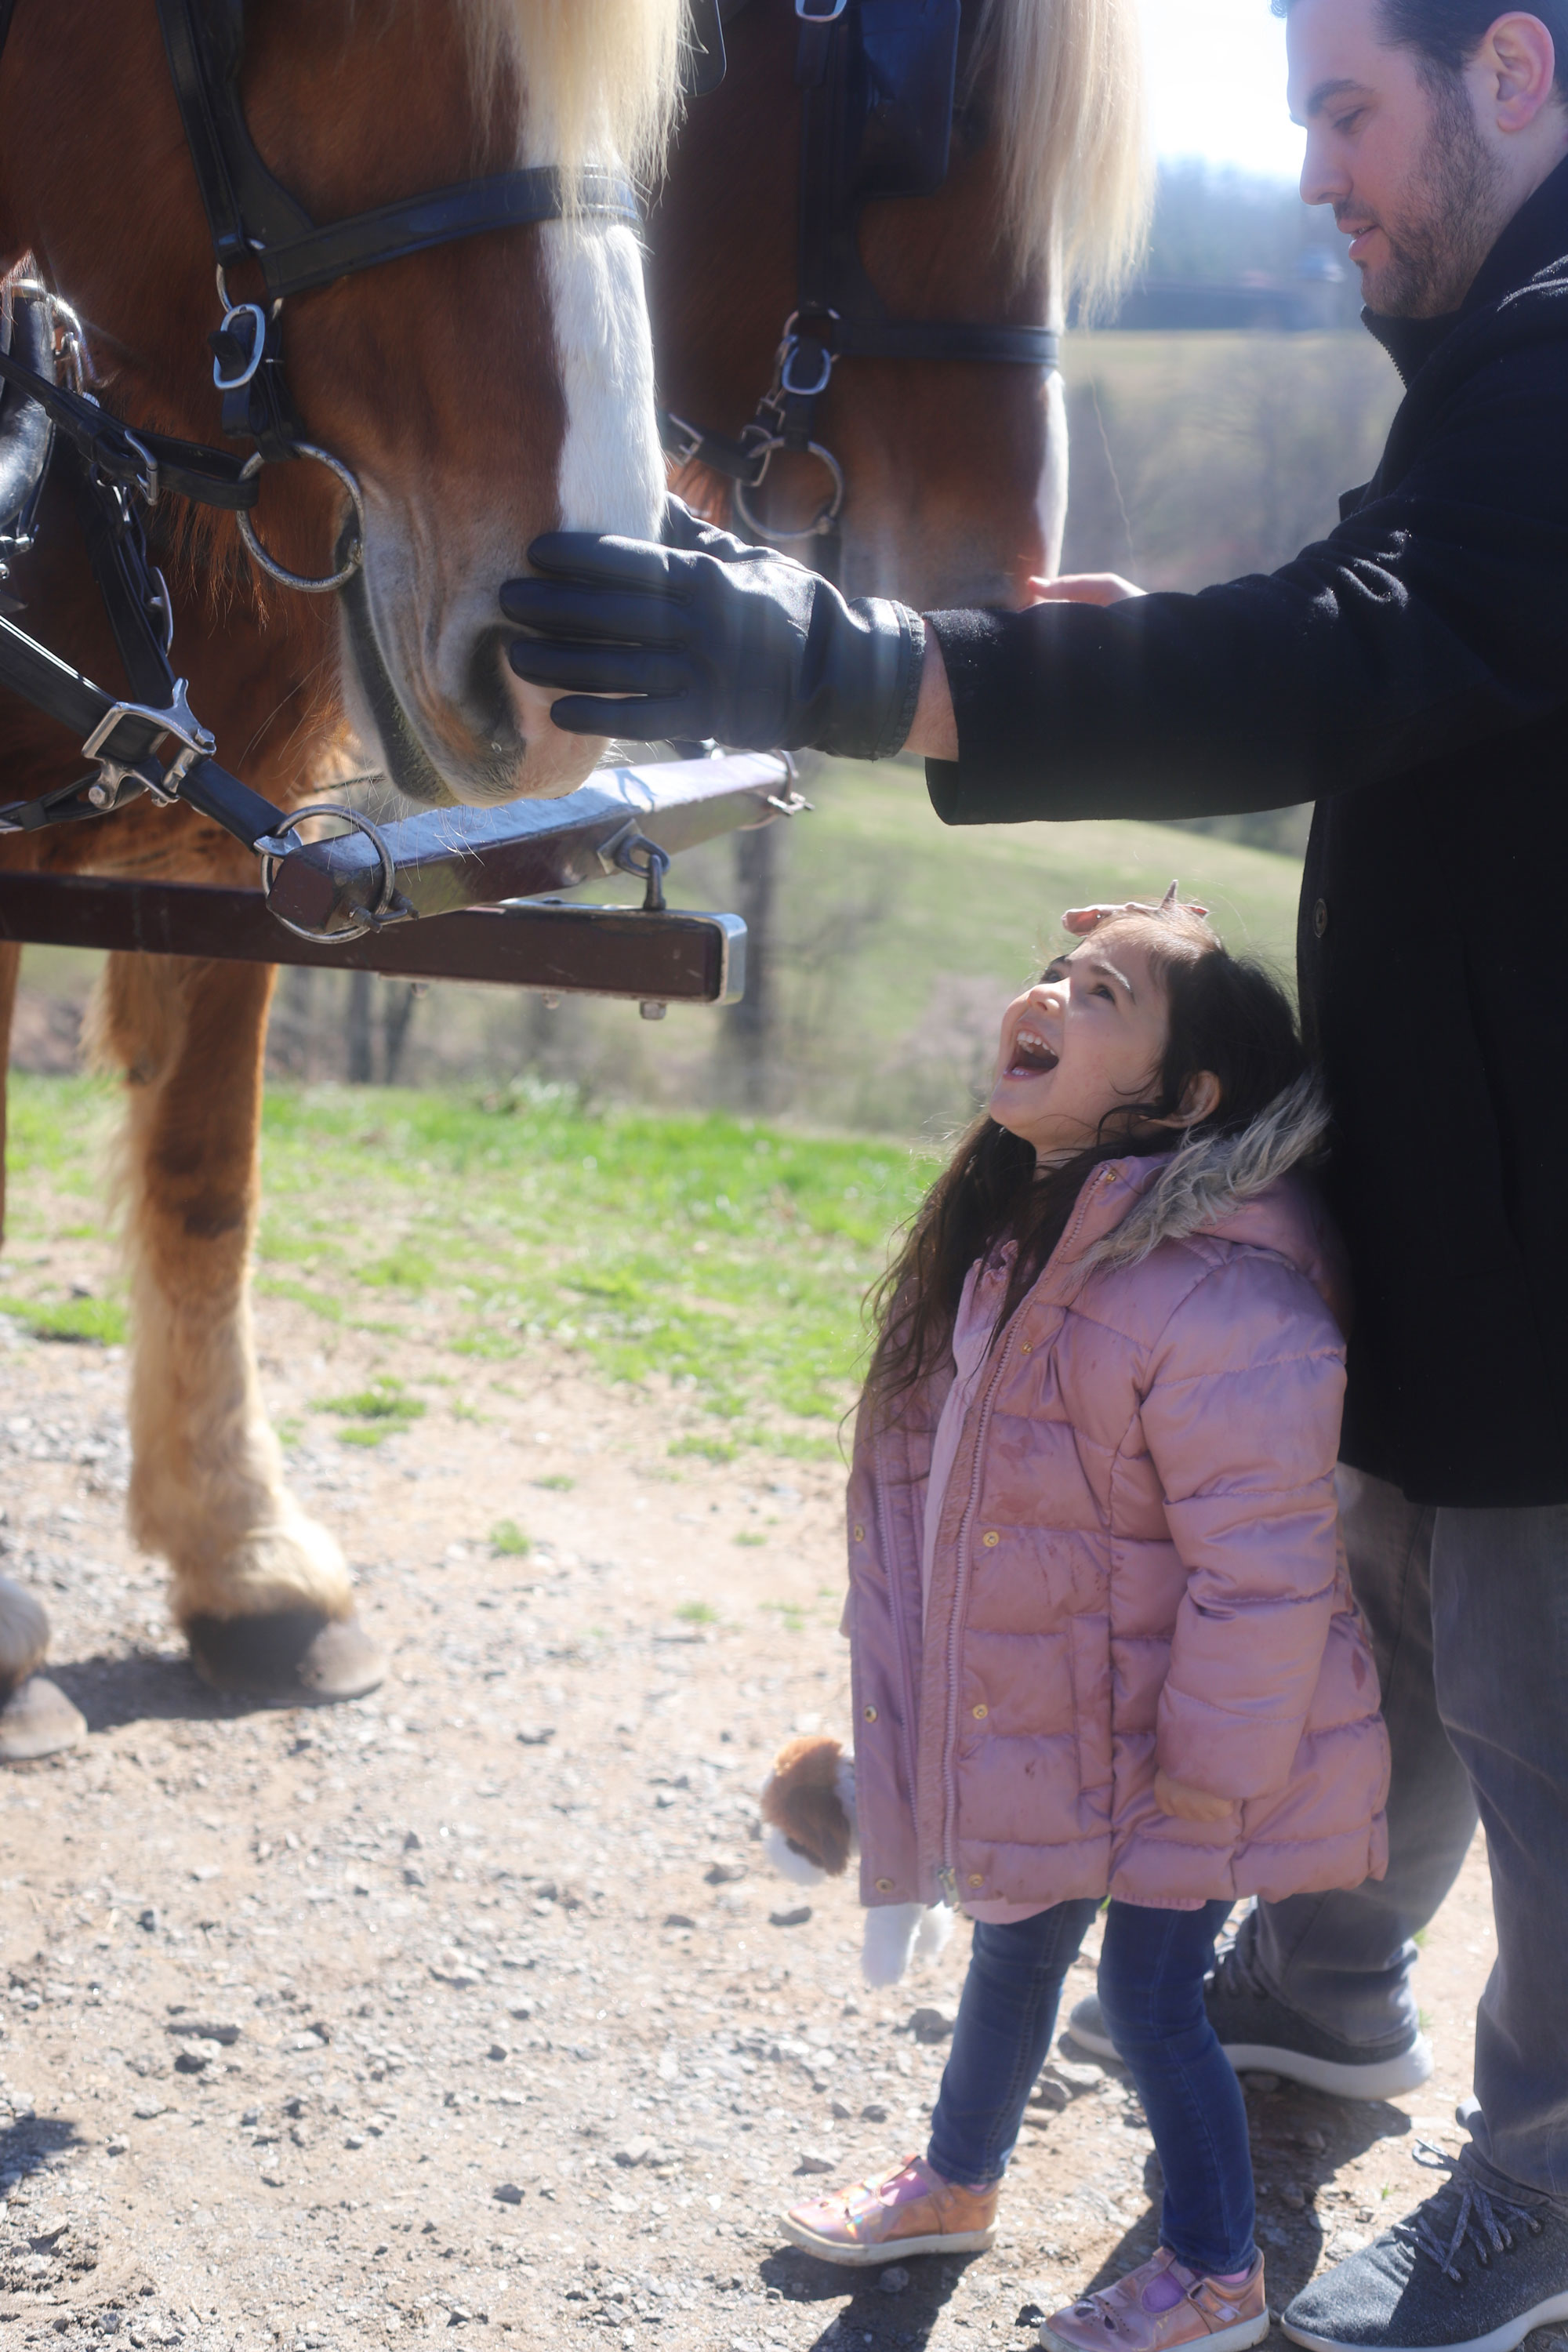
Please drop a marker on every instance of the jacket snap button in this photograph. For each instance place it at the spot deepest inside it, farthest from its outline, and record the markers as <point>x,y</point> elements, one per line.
<point>870,1715</point>
<point>978,1880</point>
<point>991,1539</point>
<point>1028,1349</point>
<point>860,1534</point>
<point>981,1713</point>
<point>1321,917</point>
<point>884,1887</point>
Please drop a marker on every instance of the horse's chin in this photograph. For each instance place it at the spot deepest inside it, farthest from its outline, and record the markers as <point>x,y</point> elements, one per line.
<point>430,758</point>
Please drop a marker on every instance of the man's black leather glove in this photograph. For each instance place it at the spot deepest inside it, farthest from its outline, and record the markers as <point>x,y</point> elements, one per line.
<point>711,637</point>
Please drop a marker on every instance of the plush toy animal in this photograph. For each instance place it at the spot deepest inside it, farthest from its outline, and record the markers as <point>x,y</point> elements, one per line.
<point>808,1815</point>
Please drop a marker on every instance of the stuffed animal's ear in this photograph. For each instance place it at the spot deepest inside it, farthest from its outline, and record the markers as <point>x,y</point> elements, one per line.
<point>802,1801</point>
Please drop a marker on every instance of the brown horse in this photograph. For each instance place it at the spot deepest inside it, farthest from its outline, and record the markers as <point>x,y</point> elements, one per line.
<point>957,482</point>
<point>480,394</point>
<point>956,471</point>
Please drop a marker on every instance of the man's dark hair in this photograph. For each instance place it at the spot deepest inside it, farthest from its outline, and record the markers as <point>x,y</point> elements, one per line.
<point>1447,33</point>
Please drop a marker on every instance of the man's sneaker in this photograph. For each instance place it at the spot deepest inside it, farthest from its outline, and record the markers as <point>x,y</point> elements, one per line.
<point>910,2210</point>
<point>1260,2035</point>
<point>1159,2307</point>
<point>1474,2268</point>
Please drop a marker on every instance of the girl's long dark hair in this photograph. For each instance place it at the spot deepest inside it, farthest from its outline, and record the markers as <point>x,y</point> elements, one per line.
<point>1226,1015</point>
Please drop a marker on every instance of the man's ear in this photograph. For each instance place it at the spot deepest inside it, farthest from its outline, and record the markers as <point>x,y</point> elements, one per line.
<point>1519,59</point>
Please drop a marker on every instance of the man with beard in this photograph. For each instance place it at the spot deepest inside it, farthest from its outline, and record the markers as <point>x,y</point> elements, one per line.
<point>1410,673</point>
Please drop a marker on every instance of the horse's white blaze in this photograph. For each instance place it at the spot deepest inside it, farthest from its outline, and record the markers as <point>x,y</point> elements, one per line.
<point>611,476</point>
<point>1051,495</point>
<point>612,468</point>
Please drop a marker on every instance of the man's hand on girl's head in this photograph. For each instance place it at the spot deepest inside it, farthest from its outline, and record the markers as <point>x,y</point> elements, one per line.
<point>1081,920</point>
<point>1186,1804</point>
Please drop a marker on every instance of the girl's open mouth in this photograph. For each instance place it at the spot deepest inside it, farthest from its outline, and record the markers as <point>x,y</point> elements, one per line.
<point>1031,1056</point>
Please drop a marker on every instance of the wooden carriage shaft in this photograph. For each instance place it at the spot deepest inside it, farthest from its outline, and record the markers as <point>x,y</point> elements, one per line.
<point>675,958</point>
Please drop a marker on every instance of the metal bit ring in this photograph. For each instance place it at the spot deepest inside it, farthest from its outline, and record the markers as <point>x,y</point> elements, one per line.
<point>364,919</point>
<point>275,571</point>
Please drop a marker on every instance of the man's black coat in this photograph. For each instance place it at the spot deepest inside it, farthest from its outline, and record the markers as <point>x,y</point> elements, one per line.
<point>1410,674</point>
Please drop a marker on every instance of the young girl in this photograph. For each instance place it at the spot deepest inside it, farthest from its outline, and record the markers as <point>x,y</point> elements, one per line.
<point>1104,1643</point>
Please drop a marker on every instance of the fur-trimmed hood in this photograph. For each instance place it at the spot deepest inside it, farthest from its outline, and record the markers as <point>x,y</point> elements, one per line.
<point>1235,1188</point>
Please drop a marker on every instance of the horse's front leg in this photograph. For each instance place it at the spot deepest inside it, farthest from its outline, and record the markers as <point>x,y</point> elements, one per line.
<point>36,1716</point>
<point>260,1590</point>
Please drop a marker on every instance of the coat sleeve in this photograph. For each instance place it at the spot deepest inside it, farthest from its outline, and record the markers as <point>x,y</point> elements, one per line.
<point>1432,619</point>
<point>1241,1423</point>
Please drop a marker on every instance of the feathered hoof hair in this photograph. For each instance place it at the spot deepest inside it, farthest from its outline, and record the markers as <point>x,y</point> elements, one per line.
<point>808,1808</point>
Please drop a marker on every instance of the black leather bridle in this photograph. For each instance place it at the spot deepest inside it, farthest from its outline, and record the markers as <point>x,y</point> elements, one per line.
<point>878,88</point>
<point>151,741</point>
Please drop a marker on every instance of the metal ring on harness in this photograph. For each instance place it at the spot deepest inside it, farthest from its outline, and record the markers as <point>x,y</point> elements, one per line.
<point>276,571</point>
<point>365,918</point>
<point>826,519</point>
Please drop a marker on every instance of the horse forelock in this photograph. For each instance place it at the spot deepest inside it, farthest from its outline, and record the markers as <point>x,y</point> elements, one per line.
<point>1069,108</point>
<point>597,81</point>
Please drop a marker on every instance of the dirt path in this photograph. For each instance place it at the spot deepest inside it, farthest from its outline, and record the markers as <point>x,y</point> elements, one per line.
<point>467,2005</point>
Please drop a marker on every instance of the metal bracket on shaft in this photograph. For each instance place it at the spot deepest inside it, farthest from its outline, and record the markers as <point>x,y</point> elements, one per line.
<point>629,852</point>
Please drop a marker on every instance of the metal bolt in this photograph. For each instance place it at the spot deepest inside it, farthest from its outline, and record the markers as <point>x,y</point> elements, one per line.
<point>100,795</point>
<point>651,1011</point>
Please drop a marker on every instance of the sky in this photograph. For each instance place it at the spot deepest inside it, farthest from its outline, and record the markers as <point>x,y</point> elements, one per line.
<point>1216,76</point>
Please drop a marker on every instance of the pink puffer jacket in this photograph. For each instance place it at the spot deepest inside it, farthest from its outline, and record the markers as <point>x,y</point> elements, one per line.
<point>1137,1565</point>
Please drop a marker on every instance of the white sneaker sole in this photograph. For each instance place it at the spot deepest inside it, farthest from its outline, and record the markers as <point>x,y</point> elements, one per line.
<point>1379,2078</point>
<point>863,2258</point>
<point>1502,2339</point>
<point>1224,2339</point>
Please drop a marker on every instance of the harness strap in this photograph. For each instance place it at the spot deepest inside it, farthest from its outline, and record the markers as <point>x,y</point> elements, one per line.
<point>252,215</point>
<point>146,463</point>
<point>116,551</point>
<point>245,205</point>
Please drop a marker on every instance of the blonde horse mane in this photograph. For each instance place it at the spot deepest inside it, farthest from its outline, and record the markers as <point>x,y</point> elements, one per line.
<point>1069,108</point>
<point>599,79</point>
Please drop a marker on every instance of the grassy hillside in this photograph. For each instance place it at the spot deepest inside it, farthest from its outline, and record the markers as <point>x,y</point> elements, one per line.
<point>898,942</point>
<point>900,939</point>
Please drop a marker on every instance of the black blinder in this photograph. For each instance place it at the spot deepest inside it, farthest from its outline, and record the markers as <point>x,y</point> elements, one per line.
<point>903,76</point>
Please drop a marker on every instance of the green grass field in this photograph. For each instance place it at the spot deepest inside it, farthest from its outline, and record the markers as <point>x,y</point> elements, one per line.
<point>729,1255</point>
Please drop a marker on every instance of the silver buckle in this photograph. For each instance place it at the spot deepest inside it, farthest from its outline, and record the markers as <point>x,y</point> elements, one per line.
<point>818,14</point>
<point>149,486</point>
<point>693,443</point>
<point>178,721</point>
<point>258,317</point>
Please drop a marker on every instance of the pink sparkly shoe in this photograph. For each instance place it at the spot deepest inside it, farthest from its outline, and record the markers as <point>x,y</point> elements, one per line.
<point>911,2210</point>
<point>1163,2304</point>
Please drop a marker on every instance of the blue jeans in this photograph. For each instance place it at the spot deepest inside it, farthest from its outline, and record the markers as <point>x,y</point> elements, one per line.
<point>1152,1973</point>
<point>1468,1615</point>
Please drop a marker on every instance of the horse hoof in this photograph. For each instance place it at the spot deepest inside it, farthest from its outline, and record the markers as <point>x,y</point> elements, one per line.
<point>37,1719</point>
<point>292,1656</point>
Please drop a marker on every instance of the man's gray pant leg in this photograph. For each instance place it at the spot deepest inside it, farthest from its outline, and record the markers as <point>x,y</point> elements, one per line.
<point>1343,1959</point>
<point>1499,1600</point>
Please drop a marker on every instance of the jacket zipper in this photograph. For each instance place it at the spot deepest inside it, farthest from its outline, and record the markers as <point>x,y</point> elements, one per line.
<point>947,1872</point>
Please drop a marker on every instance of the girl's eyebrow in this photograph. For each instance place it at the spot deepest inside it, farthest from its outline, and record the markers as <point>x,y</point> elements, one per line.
<point>1099,963</point>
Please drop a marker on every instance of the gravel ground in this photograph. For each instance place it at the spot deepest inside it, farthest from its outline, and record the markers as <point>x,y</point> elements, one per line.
<point>470,2005</point>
